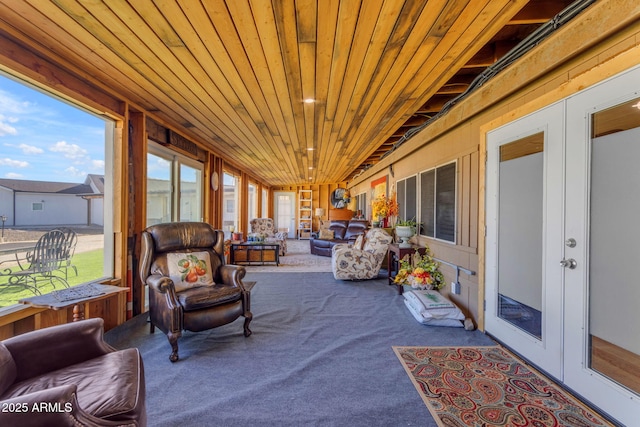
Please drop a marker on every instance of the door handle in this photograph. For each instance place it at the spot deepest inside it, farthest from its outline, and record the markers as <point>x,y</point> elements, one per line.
<point>569,263</point>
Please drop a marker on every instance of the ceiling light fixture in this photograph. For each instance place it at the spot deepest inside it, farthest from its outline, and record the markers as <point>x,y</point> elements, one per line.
<point>309,101</point>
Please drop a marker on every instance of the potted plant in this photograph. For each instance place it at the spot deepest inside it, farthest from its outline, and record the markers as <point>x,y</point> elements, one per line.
<point>420,272</point>
<point>405,229</point>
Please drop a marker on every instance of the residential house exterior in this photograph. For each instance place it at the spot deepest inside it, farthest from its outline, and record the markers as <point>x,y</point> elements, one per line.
<point>28,203</point>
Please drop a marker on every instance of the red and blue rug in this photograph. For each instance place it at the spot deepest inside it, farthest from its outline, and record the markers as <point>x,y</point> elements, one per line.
<point>488,386</point>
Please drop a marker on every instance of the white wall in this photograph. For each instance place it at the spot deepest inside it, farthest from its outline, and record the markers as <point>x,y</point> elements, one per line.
<point>59,209</point>
<point>6,205</point>
<point>97,211</point>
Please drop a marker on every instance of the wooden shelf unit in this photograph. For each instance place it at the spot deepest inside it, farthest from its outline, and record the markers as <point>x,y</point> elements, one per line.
<point>305,214</point>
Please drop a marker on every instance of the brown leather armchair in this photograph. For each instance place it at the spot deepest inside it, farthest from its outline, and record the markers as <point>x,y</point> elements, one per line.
<point>187,292</point>
<point>66,375</point>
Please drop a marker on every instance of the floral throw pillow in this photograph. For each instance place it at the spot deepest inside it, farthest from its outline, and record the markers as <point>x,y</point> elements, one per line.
<point>359,243</point>
<point>189,270</point>
<point>326,235</point>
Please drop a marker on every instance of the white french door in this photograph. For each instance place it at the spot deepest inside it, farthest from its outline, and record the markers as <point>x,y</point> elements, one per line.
<point>563,242</point>
<point>284,203</point>
<point>602,326</point>
<point>524,222</point>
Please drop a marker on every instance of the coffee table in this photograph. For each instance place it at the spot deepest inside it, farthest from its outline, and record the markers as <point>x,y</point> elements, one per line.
<point>255,253</point>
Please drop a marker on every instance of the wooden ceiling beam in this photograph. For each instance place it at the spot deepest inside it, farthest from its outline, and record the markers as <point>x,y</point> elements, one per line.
<point>539,11</point>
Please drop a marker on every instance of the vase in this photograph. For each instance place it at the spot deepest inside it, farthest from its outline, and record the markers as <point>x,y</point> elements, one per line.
<point>404,232</point>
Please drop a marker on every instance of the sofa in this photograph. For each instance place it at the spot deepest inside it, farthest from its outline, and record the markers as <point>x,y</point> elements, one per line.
<point>339,231</point>
<point>67,375</point>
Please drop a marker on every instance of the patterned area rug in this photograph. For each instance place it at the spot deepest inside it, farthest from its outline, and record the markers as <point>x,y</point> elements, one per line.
<point>488,386</point>
<point>297,259</point>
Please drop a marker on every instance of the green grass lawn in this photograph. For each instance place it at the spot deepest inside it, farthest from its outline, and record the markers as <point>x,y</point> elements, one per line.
<point>89,265</point>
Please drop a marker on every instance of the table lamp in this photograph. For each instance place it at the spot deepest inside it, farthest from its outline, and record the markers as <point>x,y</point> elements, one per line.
<point>319,213</point>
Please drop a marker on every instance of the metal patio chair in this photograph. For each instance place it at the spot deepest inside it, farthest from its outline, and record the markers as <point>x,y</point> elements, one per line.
<point>71,241</point>
<point>39,265</point>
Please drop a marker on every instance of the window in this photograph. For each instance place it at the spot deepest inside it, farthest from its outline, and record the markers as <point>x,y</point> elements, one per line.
<point>438,202</point>
<point>51,145</point>
<point>231,202</point>
<point>406,196</point>
<point>190,193</point>
<point>174,187</point>
<point>253,201</point>
<point>265,203</point>
<point>361,204</point>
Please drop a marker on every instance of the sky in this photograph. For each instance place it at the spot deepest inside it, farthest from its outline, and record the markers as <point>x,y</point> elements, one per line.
<point>44,139</point>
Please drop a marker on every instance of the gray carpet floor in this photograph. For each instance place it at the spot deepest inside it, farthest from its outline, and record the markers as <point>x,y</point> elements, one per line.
<point>320,355</point>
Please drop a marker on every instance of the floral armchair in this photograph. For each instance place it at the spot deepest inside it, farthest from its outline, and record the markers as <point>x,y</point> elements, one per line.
<point>363,259</point>
<point>266,228</point>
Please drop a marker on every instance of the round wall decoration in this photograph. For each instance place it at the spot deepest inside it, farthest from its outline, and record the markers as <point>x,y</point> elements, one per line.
<point>337,198</point>
<point>214,181</point>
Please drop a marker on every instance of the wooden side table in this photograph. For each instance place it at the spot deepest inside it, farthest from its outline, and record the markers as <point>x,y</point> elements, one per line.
<point>76,296</point>
<point>394,255</point>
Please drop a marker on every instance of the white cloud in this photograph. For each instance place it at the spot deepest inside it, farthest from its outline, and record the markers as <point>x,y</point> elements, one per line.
<point>12,175</point>
<point>75,172</point>
<point>70,151</point>
<point>13,163</point>
<point>30,149</point>
<point>97,165</point>
<point>6,129</point>
<point>10,104</point>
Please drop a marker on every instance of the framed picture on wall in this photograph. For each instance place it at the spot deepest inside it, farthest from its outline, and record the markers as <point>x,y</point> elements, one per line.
<point>379,187</point>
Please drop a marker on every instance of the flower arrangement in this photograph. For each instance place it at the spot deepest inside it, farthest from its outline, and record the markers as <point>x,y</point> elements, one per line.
<point>420,271</point>
<point>385,207</point>
<point>380,209</point>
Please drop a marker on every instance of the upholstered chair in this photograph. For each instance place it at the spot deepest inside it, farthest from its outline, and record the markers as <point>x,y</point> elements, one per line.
<point>361,260</point>
<point>266,227</point>
<point>190,287</point>
<point>67,375</point>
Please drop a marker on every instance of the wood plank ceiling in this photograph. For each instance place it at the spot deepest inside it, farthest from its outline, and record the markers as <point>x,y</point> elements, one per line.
<point>235,74</point>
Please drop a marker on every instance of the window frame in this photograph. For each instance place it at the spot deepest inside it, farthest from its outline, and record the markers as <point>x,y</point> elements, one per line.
<point>176,161</point>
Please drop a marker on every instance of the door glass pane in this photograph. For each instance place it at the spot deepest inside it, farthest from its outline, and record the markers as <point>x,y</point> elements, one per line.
<point>285,213</point>
<point>614,234</point>
<point>520,232</point>
<point>158,190</point>
<point>190,193</point>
